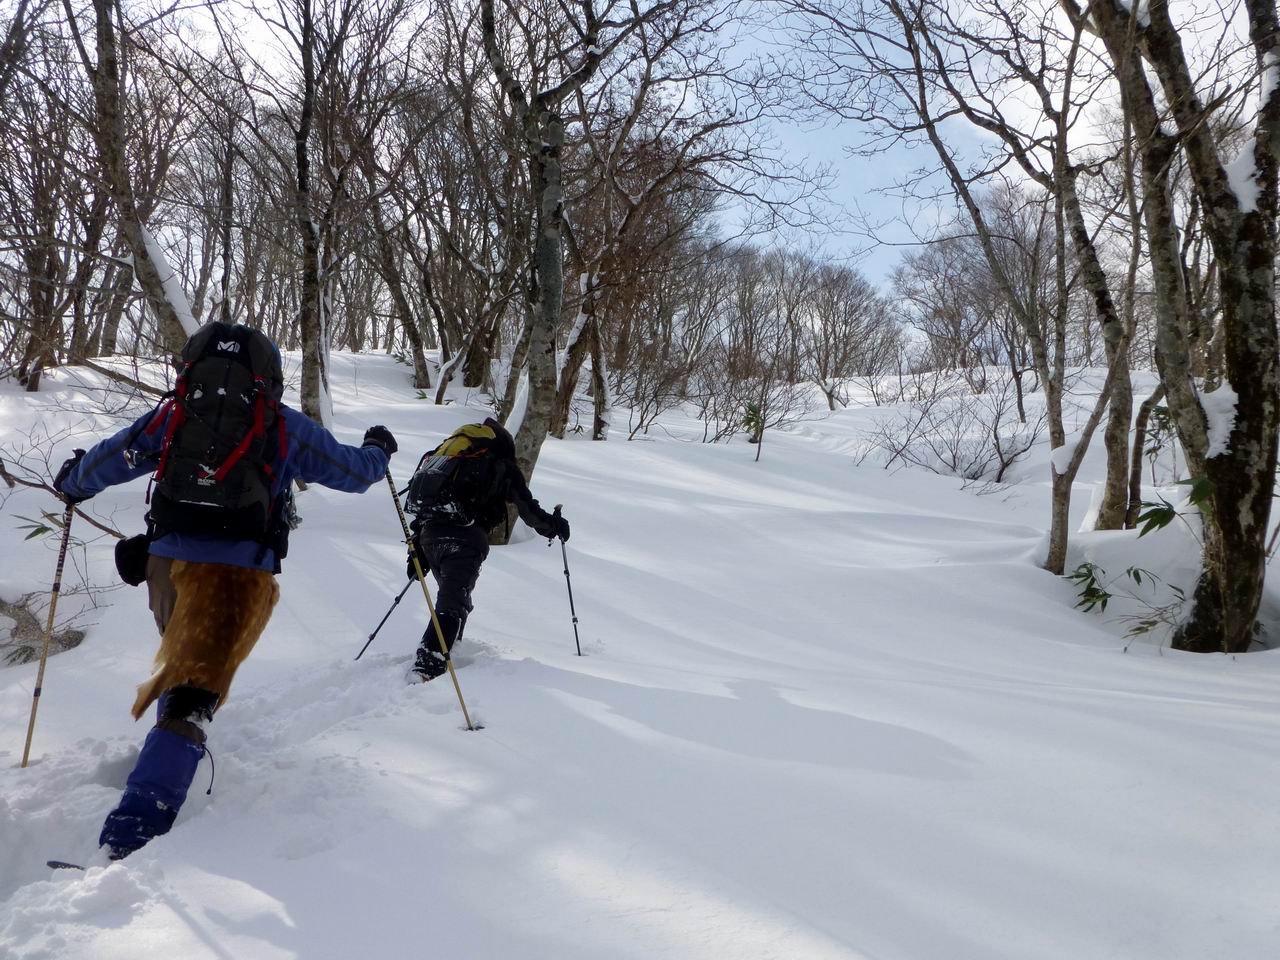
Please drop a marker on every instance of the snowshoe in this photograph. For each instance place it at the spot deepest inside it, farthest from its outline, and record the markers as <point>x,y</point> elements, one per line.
<point>427,665</point>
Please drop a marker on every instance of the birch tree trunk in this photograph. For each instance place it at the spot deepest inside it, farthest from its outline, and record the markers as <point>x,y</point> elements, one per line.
<point>537,113</point>
<point>601,401</point>
<point>389,268</point>
<point>515,371</point>
<point>1139,449</point>
<point>1240,219</point>
<point>575,354</point>
<point>174,320</point>
<point>548,265</point>
<point>312,322</point>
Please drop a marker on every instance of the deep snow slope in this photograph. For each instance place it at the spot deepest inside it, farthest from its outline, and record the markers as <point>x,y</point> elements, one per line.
<point>825,711</point>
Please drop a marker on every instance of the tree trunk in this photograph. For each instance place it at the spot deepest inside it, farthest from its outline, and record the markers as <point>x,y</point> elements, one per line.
<point>313,327</point>
<point>1235,523</point>
<point>1139,449</point>
<point>518,358</point>
<point>390,270</point>
<point>1115,496</point>
<point>226,221</point>
<point>312,321</point>
<point>1060,517</point>
<point>1116,344</point>
<point>115,310</point>
<point>1241,467</point>
<point>475,365</point>
<point>549,272</point>
<point>110,135</point>
<point>543,131</point>
<point>599,386</point>
<point>575,354</point>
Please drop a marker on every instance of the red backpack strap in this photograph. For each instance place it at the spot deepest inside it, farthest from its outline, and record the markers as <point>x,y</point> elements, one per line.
<point>157,419</point>
<point>169,401</point>
<point>256,431</point>
<point>177,413</point>
<point>284,436</point>
<point>282,445</point>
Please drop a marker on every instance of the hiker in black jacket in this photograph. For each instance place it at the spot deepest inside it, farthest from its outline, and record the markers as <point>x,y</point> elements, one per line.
<point>460,493</point>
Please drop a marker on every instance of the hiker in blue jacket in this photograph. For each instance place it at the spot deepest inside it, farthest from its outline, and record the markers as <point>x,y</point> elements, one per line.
<point>224,451</point>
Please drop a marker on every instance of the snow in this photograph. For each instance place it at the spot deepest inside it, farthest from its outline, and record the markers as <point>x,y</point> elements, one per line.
<point>575,334</point>
<point>826,711</point>
<point>606,412</point>
<point>1242,170</point>
<point>1270,75</point>
<point>1060,457</point>
<point>1220,413</point>
<point>1139,10</point>
<point>447,370</point>
<point>585,281</point>
<point>1242,177</point>
<point>173,291</point>
<point>515,419</point>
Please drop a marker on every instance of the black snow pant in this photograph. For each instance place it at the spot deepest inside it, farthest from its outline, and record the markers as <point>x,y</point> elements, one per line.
<point>454,554</point>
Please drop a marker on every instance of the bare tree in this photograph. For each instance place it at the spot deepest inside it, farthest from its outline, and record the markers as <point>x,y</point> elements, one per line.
<point>13,45</point>
<point>851,333</point>
<point>560,51</point>
<point>150,266</point>
<point>348,66</point>
<point>1235,449</point>
<point>905,67</point>
<point>53,213</point>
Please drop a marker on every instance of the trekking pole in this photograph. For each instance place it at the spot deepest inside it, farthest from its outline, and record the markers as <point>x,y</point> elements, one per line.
<point>564,554</point>
<point>48,629</point>
<point>426,592</point>
<point>394,603</point>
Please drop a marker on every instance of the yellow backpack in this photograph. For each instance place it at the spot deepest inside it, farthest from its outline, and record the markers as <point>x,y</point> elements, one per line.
<point>459,477</point>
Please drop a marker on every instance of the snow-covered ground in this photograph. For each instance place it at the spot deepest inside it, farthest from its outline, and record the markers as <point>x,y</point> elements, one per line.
<point>825,711</point>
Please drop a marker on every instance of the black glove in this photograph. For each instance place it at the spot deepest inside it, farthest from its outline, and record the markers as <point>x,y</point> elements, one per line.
<point>409,568</point>
<point>64,473</point>
<point>555,526</point>
<point>381,438</point>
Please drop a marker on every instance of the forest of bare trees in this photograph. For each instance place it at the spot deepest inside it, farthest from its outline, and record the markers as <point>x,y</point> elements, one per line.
<point>1121,208</point>
<point>580,210</point>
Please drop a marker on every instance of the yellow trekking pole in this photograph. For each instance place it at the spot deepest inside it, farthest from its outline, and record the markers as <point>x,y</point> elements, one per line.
<point>48,629</point>
<point>426,592</point>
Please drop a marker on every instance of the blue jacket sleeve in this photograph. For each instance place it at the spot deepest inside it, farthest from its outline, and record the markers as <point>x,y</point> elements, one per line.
<point>131,453</point>
<point>318,457</point>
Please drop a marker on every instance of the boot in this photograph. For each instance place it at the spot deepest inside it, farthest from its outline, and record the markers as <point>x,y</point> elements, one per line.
<point>158,785</point>
<point>429,663</point>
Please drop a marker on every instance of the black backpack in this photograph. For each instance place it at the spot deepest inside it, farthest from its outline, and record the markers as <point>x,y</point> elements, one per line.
<point>224,437</point>
<point>462,478</point>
